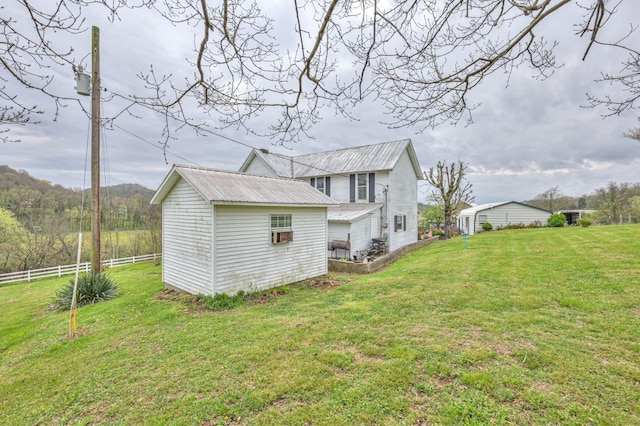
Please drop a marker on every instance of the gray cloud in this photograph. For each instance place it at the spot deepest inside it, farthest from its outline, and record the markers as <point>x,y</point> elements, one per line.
<point>526,138</point>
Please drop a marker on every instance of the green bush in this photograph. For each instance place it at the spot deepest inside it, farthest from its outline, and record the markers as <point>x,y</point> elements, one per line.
<point>487,226</point>
<point>585,222</point>
<point>557,220</point>
<point>92,288</point>
<point>221,301</point>
<point>437,232</point>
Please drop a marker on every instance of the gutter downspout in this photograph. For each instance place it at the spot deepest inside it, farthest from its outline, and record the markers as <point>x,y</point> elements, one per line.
<point>385,213</point>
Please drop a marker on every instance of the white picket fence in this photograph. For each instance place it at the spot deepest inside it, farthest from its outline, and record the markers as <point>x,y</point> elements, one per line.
<point>58,271</point>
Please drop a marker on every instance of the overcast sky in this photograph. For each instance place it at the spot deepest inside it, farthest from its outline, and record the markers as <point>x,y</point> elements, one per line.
<point>525,139</point>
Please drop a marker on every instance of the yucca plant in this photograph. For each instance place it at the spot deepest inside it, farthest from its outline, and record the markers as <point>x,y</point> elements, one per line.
<point>92,288</point>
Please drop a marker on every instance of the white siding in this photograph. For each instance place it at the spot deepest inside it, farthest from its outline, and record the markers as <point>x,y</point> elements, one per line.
<point>339,188</point>
<point>186,240</point>
<point>245,258</point>
<point>361,234</point>
<point>403,195</point>
<point>339,231</point>
<point>400,199</point>
<point>503,215</point>
<point>258,167</point>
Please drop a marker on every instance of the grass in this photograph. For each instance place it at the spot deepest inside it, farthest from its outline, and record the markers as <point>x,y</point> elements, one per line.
<point>532,326</point>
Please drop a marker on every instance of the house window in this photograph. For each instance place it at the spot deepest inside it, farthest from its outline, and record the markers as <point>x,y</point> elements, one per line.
<point>322,184</point>
<point>362,186</point>
<point>281,231</point>
<point>483,218</point>
<point>400,223</point>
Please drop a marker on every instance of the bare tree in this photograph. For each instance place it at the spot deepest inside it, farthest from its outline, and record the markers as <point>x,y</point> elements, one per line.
<point>450,189</point>
<point>549,198</point>
<point>418,59</point>
<point>633,134</point>
<point>613,202</point>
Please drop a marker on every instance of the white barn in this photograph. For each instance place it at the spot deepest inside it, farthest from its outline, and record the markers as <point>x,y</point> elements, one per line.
<point>470,220</point>
<point>223,232</point>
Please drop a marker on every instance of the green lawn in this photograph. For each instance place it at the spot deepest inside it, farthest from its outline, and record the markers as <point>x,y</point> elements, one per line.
<point>532,326</point>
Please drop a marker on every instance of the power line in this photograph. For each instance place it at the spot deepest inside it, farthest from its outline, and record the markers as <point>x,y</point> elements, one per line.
<point>155,145</point>
<point>230,139</point>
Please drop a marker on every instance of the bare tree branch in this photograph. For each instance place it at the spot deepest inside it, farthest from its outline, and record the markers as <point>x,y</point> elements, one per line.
<point>420,60</point>
<point>451,190</point>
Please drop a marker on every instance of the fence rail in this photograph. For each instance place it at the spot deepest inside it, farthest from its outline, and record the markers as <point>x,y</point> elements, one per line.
<point>58,271</point>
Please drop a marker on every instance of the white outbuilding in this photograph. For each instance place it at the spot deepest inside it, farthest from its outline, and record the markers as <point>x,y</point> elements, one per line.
<point>223,231</point>
<point>500,215</point>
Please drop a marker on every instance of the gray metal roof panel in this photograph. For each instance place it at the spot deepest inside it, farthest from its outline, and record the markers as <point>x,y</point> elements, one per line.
<point>487,206</point>
<point>381,156</point>
<point>218,186</point>
<point>281,164</point>
<point>350,212</point>
<point>366,158</point>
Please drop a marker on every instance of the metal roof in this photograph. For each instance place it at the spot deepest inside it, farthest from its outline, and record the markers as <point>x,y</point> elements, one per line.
<point>282,165</point>
<point>225,187</point>
<point>350,212</point>
<point>367,158</point>
<point>475,209</point>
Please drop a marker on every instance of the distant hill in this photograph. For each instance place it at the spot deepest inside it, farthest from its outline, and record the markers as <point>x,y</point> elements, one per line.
<point>36,201</point>
<point>11,178</point>
<point>127,190</point>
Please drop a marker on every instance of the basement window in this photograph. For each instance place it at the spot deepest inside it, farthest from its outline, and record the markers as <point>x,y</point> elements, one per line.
<point>281,231</point>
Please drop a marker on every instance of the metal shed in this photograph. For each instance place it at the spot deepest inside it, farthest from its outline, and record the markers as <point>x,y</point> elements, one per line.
<point>470,220</point>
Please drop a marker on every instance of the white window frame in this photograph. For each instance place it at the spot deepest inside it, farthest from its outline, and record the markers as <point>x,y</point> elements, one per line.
<point>362,183</point>
<point>281,228</point>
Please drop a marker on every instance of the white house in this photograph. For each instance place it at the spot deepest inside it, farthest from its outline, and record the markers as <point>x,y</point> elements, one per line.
<point>376,186</point>
<point>471,220</point>
<point>223,232</point>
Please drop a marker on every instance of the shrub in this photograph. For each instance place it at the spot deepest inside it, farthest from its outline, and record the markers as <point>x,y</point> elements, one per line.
<point>437,232</point>
<point>487,226</point>
<point>519,225</point>
<point>92,288</point>
<point>585,222</point>
<point>557,220</point>
<point>221,301</point>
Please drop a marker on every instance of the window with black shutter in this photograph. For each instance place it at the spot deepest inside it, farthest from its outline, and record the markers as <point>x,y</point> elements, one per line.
<point>399,223</point>
<point>352,188</point>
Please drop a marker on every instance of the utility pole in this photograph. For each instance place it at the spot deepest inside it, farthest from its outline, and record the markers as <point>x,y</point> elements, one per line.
<point>96,264</point>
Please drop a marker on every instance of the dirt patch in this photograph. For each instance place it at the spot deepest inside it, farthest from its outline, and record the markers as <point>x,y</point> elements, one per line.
<point>322,283</point>
<point>177,296</point>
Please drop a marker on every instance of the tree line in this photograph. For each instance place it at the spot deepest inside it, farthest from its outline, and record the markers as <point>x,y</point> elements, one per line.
<point>39,221</point>
<point>615,203</point>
